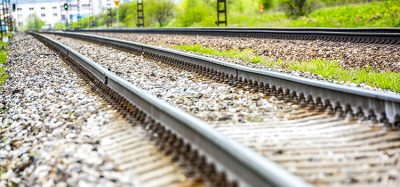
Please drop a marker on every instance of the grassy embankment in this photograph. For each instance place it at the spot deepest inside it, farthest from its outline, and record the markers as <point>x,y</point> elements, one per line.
<point>3,58</point>
<point>245,13</point>
<point>375,14</point>
<point>329,69</point>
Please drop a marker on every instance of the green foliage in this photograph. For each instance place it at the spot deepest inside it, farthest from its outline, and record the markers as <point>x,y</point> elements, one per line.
<point>34,23</point>
<point>326,68</point>
<point>3,46</point>
<point>344,2</point>
<point>244,55</point>
<point>160,11</point>
<point>268,4</point>
<point>245,13</point>
<point>192,13</point>
<point>85,22</point>
<point>236,7</point>
<point>296,8</point>
<point>3,59</point>
<point>333,70</point>
<point>59,26</point>
<point>128,14</point>
<point>196,13</point>
<point>376,14</point>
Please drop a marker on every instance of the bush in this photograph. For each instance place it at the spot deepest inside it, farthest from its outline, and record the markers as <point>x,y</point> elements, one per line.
<point>34,23</point>
<point>297,8</point>
<point>161,11</point>
<point>267,4</point>
<point>59,26</point>
<point>193,13</point>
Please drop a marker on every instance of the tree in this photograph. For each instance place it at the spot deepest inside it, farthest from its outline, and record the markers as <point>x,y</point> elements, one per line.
<point>196,13</point>
<point>164,11</point>
<point>296,8</point>
<point>34,23</point>
<point>267,4</point>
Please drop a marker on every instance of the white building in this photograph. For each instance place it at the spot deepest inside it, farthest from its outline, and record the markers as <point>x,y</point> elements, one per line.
<point>52,11</point>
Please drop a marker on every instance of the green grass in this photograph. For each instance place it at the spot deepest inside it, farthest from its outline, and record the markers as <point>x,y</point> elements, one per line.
<point>245,13</point>
<point>375,14</point>
<point>329,69</point>
<point>3,59</point>
<point>334,71</point>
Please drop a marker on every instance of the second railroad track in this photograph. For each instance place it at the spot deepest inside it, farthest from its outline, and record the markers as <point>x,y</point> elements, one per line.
<point>356,35</point>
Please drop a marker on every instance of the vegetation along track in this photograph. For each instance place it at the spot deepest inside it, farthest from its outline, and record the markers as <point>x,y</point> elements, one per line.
<point>307,141</point>
<point>205,154</point>
<point>373,36</point>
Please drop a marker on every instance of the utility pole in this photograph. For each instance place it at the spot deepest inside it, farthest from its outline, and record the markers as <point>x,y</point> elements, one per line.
<point>6,15</point>
<point>9,16</point>
<point>3,23</point>
<point>116,2</point>
<point>15,9</point>
<point>91,14</point>
<point>12,28</point>
<point>140,14</point>
<point>17,18</point>
<point>66,8</point>
<point>1,19</point>
<point>109,21</point>
<point>79,14</point>
<point>221,9</point>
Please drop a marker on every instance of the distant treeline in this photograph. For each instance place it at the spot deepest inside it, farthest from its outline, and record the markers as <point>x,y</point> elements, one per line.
<point>162,13</point>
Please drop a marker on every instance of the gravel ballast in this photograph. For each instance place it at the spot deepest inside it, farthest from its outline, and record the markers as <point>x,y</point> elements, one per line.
<point>322,149</point>
<point>209,100</point>
<point>48,121</point>
<point>54,129</point>
<point>350,55</point>
<point>255,65</point>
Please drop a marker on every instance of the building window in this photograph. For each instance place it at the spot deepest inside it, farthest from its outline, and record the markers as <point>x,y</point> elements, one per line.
<point>55,14</point>
<point>30,8</point>
<point>20,23</point>
<point>19,9</point>
<point>54,7</point>
<point>43,15</point>
<point>42,8</point>
<point>19,15</point>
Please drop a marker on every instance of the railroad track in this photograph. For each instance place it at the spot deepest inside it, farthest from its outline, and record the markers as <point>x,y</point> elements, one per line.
<point>203,152</point>
<point>361,35</point>
<point>303,140</point>
<point>383,107</point>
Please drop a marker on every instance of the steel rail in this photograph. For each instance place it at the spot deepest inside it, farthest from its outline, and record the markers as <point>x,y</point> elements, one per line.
<point>358,35</point>
<point>384,107</point>
<point>239,163</point>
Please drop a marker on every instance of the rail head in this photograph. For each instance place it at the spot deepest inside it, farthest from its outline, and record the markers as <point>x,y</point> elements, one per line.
<point>383,106</point>
<point>195,29</point>
<point>240,163</point>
